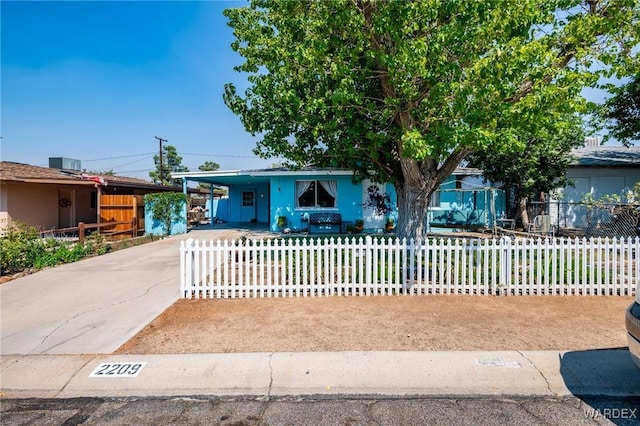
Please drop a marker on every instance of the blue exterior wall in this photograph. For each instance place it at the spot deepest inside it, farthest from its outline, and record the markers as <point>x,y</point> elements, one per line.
<point>350,199</point>
<point>275,197</point>
<point>154,227</point>
<point>348,202</point>
<point>468,204</point>
<point>219,209</point>
<point>262,202</point>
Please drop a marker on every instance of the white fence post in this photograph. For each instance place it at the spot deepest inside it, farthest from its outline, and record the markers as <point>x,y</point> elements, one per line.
<point>184,286</point>
<point>505,265</point>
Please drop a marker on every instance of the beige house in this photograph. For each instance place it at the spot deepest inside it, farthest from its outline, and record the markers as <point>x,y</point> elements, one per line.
<point>54,198</point>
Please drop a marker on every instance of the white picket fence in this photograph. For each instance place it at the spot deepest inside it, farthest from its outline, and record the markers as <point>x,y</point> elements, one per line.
<point>293,267</point>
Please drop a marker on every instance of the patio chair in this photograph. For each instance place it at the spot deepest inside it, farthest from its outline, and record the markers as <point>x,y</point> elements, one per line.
<point>541,225</point>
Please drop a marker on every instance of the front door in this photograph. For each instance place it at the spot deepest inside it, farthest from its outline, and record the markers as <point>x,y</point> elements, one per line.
<point>248,208</point>
<point>66,209</point>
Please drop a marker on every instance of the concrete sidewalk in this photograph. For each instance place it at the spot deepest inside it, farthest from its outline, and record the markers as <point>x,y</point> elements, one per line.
<point>531,373</point>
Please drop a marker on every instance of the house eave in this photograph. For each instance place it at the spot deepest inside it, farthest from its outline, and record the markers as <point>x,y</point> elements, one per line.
<point>259,173</point>
<point>51,181</point>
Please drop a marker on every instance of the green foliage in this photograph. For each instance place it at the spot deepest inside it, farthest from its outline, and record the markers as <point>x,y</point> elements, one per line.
<point>207,166</point>
<point>58,253</point>
<point>109,172</point>
<point>621,113</point>
<point>536,160</point>
<point>18,248</point>
<point>166,207</point>
<point>402,91</point>
<point>592,202</point>
<point>622,211</point>
<point>21,248</point>
<point>632,198</point>
<point>171,162</point>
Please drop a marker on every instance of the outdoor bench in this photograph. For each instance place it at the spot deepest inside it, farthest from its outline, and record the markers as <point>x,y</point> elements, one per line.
<point>325,223</point>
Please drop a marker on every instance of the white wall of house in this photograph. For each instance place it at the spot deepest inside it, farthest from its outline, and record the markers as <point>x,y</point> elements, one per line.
<point>599,181</point>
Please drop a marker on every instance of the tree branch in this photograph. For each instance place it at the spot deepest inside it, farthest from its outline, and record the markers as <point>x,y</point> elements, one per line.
<point>564,56</point>
<point>450,164</point>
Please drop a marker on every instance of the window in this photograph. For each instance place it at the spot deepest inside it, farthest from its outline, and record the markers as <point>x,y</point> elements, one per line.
<point>248,198</point>
<point>435,200</point>
<point>316,193</point>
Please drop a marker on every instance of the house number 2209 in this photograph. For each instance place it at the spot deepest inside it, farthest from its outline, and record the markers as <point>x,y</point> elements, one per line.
<point>118,369</point>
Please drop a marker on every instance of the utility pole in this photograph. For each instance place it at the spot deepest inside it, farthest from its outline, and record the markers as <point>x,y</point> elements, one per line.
<point>161,163</point>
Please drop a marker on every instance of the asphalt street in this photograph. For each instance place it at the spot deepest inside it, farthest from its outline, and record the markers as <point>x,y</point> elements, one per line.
<point>343,410</point>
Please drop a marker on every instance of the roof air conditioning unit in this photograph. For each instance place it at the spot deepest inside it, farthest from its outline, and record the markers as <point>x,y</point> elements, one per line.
<point>65,163</point>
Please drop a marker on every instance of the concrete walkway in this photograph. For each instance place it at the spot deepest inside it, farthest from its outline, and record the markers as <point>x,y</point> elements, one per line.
<point>60,326</point>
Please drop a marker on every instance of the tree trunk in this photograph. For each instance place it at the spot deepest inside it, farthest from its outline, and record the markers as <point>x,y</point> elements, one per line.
<point>413,204</point>
<point>416,186</point>
<point>522,213</point>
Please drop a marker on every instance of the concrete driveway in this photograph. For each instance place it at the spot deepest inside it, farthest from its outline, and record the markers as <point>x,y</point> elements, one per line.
<point>95,305</point>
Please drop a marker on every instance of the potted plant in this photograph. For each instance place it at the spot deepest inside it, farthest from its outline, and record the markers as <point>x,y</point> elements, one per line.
<point>359,225</point>
<point>389,224</point>
<point>282,221</point>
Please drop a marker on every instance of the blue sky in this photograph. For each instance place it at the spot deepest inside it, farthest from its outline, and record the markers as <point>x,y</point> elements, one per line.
<point>97,81</point>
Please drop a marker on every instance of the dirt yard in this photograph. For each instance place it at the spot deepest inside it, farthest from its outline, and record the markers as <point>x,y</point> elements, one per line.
<point>385,323</point>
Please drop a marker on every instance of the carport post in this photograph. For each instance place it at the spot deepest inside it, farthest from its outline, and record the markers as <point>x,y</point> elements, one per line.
<point>211,188</point>
<point>186,205</point>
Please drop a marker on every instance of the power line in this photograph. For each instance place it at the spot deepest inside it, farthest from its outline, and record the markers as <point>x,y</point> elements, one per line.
<point>133,171</point>
<point>130,162</point>
<point>115,158</point>
<point>220,155</point>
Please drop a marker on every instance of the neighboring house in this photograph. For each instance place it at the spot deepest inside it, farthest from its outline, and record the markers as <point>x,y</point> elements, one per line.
<point>56,197</point>
<point>264,196</point>
<point>596,170</point>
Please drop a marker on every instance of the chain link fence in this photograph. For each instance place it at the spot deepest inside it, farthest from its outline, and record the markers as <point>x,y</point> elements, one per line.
<point>581,220</point>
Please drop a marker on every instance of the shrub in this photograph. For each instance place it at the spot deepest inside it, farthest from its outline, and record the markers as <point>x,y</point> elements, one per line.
<point>18,248</point>
<point>166,207</point>
<point>22,248</point>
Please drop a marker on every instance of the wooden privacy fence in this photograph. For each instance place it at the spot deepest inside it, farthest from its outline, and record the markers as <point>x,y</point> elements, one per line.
<point>122,209</point>
<point>373,266</point>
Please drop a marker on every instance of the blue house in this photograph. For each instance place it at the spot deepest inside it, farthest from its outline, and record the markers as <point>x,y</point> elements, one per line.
<point>284,198</point>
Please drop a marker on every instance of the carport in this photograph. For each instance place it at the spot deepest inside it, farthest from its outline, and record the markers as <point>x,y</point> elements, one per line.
<point>247,199</point>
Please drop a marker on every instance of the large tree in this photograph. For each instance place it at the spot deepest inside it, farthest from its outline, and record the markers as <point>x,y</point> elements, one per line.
<point>171,162</point>
<point>402,91</point>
